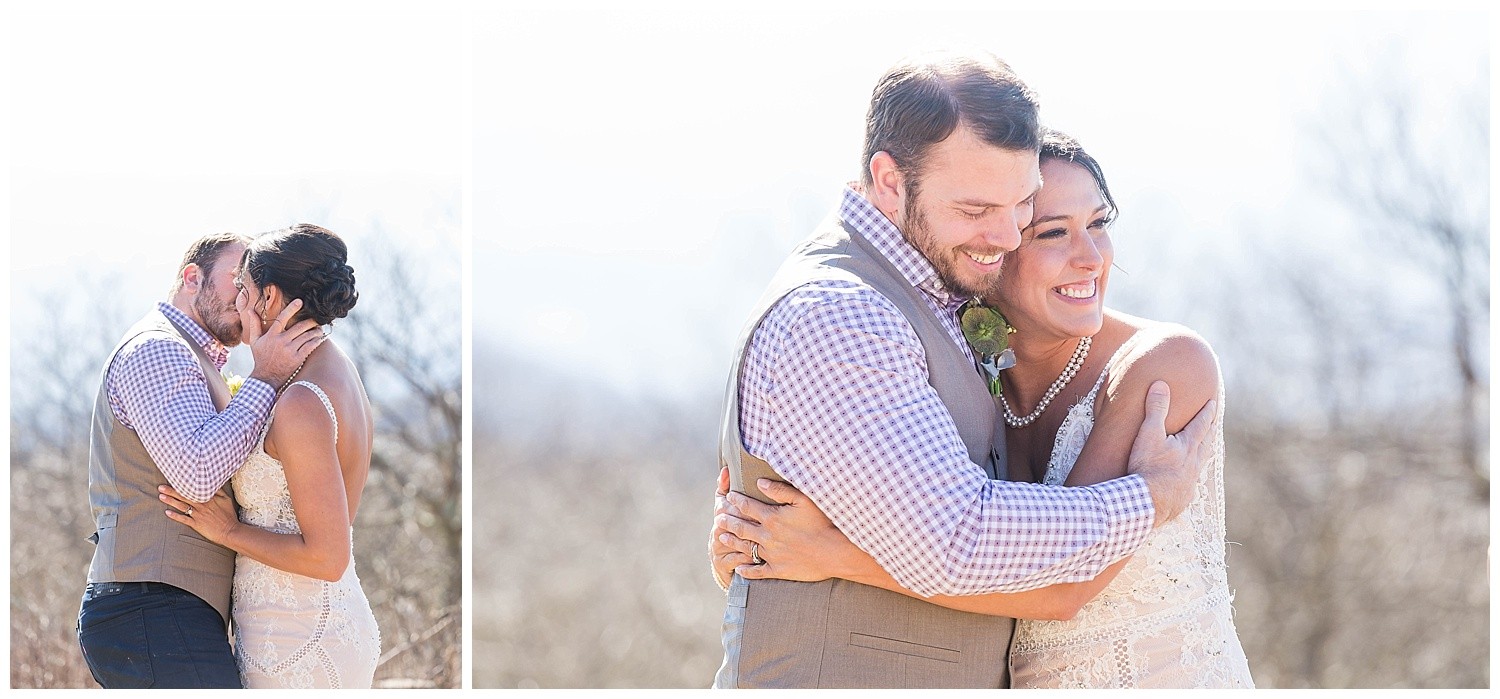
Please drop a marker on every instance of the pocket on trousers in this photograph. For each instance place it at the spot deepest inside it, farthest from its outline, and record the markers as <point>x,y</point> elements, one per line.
<point>892,645</point>
<point>117,652</point>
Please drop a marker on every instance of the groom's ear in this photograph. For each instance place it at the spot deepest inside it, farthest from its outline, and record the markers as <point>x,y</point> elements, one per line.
<point>887,185</point>
<point>191,277</point>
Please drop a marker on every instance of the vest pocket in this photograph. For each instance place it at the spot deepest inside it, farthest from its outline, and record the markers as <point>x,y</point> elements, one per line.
<point>223,556</point>
<point>892,645</point>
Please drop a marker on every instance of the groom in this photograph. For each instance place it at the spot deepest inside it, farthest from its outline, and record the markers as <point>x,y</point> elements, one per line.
<point>855,384</point>
<point>156,608</point>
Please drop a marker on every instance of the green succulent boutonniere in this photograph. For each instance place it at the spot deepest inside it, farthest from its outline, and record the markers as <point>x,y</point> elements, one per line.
<point>988,334</point>
<point>235,382</point>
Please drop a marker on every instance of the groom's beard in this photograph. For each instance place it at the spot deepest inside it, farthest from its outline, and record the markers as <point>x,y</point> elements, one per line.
<point>223,323</point>
<point>943,261</point>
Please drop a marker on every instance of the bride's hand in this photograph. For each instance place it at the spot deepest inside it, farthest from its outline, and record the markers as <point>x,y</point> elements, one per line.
<point>795,539</point>
<point>722,556</point>
<point>214,519</point>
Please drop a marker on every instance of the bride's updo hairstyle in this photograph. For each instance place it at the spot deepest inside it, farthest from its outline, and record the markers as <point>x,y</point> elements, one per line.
<point>306,262</point>
<point>1057,145</point>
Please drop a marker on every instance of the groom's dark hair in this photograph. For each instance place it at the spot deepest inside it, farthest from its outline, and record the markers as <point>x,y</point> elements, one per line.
<point>204,252</point>
<point>923,100</point>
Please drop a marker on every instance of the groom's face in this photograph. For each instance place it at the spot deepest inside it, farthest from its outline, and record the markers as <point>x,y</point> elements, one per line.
<point>215,300</point>
<point>969,207</point>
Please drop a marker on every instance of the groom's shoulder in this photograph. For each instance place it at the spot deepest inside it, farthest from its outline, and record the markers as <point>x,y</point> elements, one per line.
<point>152,341</point>
<point>838,310</point>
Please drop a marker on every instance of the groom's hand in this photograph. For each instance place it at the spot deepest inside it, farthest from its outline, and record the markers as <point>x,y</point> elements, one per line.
<point>1170,464</point>
<point>279,350</point>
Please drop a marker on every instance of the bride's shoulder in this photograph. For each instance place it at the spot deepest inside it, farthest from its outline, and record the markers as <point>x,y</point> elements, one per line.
<point>301,413</point>
<point>1169,352</point>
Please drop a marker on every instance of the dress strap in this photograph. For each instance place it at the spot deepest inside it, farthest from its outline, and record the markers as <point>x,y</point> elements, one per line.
<point>326,404</point>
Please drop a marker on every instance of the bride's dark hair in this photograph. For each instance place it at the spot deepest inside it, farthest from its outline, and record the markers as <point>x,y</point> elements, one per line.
<point>1057,145</point>
<point>306,262</point>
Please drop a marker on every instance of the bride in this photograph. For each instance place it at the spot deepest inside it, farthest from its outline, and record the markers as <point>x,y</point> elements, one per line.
<point>300,616</point>
<point>1160,618</point>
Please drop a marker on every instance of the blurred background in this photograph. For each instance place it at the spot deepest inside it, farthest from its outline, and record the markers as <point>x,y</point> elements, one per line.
<point>1308,189</point>
<point>136,130</point>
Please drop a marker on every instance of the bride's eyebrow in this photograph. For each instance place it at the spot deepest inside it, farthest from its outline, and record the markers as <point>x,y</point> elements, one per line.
<point>1061,217</point>
<point>1048,219</point>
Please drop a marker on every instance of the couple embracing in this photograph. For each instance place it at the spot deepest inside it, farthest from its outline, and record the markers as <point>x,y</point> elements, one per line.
<point>946,463</point>
<point>176,449</point>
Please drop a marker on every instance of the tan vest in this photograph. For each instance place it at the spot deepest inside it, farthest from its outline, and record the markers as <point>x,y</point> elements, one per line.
<point>838,633</point>
<point>134,540</point>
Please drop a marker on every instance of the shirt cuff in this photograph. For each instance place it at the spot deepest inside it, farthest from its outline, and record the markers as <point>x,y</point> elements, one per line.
<point>1128,513</point>
<point>255,395</point>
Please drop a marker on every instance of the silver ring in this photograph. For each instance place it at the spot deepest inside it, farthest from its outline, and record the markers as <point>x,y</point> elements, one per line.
<point>190,512</point>
<point>755,554</point>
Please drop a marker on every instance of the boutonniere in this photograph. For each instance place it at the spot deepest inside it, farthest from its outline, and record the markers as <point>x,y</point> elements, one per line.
<point>235,381</point>
<point>988,334</point>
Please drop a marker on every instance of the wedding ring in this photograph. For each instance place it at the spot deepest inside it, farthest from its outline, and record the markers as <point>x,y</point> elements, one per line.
<point>755,554</point>
<point>190,512</point>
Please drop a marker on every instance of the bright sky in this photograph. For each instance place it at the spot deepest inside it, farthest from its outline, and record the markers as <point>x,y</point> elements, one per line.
<point>637,171</point>
<point>646,171</point>
<point>136,129</point>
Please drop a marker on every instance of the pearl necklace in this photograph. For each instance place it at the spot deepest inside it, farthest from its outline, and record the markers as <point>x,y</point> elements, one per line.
<point>1079,354</point>
<point>298,370</point>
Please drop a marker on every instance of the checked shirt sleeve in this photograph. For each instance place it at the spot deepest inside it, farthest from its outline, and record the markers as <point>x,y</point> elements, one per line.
<point>160,392</point>
<point>861,432</point>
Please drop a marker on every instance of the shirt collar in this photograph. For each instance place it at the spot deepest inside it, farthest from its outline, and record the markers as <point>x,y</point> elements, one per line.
<point>216,350</point>
<point>868,221</point>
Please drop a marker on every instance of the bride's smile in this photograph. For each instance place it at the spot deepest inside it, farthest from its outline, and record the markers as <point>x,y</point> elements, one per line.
<point>1083,291</point>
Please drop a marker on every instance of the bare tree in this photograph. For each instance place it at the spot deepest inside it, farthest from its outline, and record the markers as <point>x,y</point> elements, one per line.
<point>1362,544</point>
<point>409,356</point>
<point>1413,165</point>
<point>55,369</point>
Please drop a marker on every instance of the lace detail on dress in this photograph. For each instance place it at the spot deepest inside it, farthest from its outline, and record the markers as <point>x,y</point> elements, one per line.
<point>1075,429</point>
<point>1165,620</point>
<point>291,630</point>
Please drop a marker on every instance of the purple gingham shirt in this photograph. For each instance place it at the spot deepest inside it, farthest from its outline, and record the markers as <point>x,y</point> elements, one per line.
<point>834,395</point>
<point>156,388</point>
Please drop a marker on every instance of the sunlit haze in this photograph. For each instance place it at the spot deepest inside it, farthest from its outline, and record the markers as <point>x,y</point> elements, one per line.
<point>638,176</point>
<point>134,132</point>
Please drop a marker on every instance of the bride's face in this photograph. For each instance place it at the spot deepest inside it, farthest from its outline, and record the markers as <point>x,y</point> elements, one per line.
<point>1053,285</point>
<point>259,302</point>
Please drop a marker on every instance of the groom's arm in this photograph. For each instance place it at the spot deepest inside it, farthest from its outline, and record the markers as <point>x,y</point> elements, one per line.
<point>157,388</point>
<point>860,430</point>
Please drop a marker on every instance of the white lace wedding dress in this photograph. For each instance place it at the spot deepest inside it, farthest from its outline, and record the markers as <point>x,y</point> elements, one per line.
<point>1165,620</point>
<point>291,630</point>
